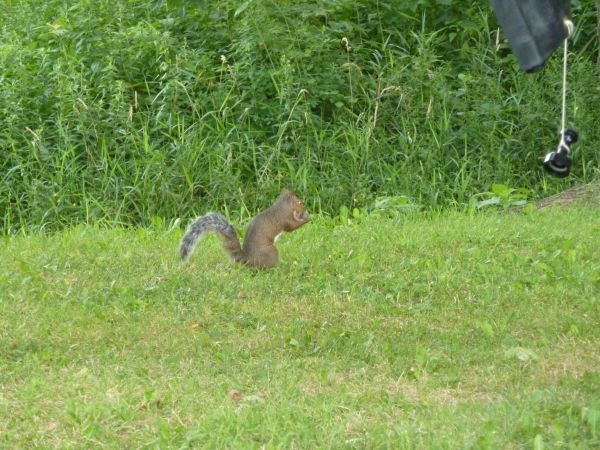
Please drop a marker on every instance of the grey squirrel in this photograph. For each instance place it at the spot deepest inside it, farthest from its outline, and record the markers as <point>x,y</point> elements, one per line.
<point>287,213</point>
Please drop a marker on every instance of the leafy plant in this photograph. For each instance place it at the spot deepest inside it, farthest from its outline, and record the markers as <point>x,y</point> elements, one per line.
<point>500,195</point>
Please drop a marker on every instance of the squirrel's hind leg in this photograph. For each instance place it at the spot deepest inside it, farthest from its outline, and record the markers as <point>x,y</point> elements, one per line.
<point>266,258</point>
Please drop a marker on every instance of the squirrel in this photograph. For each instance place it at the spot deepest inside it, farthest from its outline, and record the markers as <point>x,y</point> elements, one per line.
<point>286,214</point>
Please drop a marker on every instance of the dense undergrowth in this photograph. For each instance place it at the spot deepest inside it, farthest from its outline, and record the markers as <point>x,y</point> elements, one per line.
<point>126,110</point>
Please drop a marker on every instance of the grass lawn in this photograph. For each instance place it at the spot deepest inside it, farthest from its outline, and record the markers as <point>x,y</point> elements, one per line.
<point>451,331</point>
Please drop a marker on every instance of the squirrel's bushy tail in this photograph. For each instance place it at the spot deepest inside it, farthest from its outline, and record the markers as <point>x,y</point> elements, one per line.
<point>212,222</point>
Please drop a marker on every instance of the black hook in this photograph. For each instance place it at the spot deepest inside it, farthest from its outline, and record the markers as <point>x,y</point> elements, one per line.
<point>558,163</point>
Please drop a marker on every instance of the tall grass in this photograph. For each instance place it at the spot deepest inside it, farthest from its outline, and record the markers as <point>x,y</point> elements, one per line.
<point>124,111</point>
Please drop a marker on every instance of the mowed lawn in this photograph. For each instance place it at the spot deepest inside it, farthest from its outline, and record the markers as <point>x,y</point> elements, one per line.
<point>420,331</point>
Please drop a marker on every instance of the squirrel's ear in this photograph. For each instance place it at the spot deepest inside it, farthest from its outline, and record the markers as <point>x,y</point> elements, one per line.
<point>286,193</point>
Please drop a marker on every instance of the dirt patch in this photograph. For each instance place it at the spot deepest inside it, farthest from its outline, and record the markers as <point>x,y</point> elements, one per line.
<point>586,194</point>
<point>573,359</point>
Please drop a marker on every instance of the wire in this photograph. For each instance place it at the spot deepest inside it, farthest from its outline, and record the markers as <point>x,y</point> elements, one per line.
<point>570,27</point>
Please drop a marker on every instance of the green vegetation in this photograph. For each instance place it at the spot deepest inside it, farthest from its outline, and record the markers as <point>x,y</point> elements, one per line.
<point>444,331</point>
<point>407,315</point>
<point>122,111</point>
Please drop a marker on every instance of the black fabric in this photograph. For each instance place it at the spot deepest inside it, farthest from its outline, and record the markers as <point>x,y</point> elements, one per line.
<point>534,28</point>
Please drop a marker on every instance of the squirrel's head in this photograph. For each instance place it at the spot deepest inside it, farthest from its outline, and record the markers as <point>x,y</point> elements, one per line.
<point>296,214</point>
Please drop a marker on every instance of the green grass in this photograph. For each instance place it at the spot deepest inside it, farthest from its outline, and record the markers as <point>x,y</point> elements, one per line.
<point>412,331</point>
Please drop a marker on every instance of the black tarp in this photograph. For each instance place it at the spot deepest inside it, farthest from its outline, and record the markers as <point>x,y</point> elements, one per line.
<point>534,28</point>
